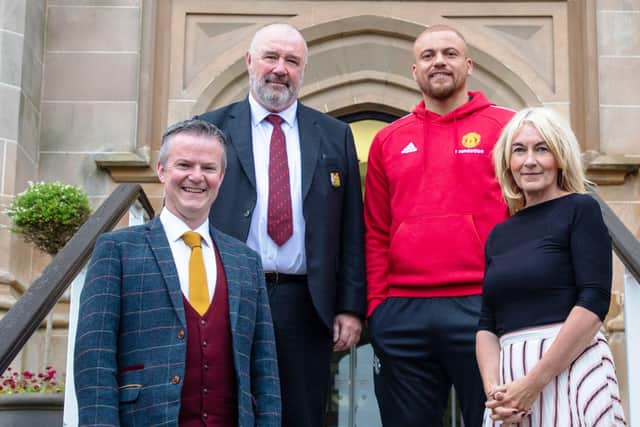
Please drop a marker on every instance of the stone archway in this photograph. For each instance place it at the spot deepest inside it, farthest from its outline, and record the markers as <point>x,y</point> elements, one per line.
<point>357,62</point>
<point>363,63</point>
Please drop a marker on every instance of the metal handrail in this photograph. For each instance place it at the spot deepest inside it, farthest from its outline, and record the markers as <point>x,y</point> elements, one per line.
<point>627,247</point>
<point>625,244</point>
<point>26,315</point>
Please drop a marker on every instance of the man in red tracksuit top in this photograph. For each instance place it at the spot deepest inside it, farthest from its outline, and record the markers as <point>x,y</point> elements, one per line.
<point>431,199</point>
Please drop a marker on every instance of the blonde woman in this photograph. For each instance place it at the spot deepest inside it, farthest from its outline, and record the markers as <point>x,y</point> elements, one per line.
<point>547,286</point>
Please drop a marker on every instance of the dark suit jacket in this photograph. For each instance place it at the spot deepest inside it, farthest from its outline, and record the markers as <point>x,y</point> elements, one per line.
<point>131,341</point>
<point>334,238</point>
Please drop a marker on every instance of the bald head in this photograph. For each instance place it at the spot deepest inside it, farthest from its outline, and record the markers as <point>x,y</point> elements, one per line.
<point>280,29</point>
<point>441,67</point>
<point>275,61</point>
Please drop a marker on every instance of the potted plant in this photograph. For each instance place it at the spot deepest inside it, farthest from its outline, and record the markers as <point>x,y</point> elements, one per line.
<point>47,214</point>
<point>31,399</point>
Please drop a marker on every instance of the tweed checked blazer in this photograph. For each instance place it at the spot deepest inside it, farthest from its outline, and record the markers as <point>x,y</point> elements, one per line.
<point>131,340</point>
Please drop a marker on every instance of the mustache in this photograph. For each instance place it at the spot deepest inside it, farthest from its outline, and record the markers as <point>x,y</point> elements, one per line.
<point>273,78</point>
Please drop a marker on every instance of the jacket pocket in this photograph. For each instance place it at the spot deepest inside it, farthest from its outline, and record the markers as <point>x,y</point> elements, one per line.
<point>436,250</point>
<point>130,382</point>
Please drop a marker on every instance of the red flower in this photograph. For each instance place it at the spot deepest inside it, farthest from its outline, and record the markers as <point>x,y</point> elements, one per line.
<point>29,382</point>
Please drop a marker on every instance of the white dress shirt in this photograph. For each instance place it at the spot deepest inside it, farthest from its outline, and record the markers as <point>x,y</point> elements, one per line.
<point>174,228</point>
<point>289,258</point>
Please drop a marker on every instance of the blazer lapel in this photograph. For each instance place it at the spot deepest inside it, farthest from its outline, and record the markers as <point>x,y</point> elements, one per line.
<point>310,143</point>
<point>239,134</point>
<point>157,239</point>
<point>234,280</point>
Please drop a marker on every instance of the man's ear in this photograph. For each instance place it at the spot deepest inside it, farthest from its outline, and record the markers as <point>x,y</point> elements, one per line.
<point>160,172</point>
<point>469,66</point>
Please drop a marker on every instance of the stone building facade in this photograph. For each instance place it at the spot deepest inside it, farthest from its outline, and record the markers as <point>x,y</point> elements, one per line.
<point>87,87</point>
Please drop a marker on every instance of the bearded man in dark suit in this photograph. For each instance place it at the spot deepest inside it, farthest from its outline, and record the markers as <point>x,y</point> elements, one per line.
<point>300,207</point>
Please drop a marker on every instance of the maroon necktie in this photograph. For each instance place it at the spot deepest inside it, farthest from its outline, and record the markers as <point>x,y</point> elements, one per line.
<point>279,218</point>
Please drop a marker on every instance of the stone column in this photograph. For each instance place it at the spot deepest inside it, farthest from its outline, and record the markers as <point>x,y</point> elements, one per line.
<point>22,28</point>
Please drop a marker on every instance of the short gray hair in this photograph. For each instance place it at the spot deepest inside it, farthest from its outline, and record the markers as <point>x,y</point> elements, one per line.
<point>257,39</point>
<point>194,127</point>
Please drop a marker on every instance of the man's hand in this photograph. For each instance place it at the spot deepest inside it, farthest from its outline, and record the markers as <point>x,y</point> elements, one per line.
<point>346,331</point>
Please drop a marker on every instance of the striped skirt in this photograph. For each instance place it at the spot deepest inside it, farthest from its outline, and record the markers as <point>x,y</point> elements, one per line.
<point>583,395</point>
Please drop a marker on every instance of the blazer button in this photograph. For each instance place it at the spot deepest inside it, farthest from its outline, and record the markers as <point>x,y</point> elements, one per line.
<point>247,213</point>
<point>175,379</point>
<point>181,334</point>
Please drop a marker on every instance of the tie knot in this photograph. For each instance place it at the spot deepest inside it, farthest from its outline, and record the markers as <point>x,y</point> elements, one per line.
<point>192,239</point>
<point>274,119</point>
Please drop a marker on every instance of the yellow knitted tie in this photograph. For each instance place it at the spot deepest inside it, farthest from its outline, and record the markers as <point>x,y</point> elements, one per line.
<point>198,289</point>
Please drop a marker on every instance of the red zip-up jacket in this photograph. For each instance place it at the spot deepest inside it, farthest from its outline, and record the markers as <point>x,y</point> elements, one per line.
<point>431,198</point>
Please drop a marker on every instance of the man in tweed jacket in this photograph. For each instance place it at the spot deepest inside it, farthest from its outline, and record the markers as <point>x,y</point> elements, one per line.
<point>132,347</point>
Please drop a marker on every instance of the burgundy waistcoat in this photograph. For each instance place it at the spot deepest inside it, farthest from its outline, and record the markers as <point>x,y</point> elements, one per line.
<point>209,391</point>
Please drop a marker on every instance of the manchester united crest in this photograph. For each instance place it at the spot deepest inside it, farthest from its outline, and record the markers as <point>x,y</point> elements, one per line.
<point>471,140</point>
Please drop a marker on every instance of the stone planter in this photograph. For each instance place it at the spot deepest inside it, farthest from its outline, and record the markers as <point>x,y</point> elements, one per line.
<point>31,409</point>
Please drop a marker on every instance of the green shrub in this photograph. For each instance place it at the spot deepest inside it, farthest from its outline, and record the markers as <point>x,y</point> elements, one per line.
<point>48,214</point>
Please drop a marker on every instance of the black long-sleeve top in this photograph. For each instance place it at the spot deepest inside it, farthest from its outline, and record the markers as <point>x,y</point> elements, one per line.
<point>543,261</point>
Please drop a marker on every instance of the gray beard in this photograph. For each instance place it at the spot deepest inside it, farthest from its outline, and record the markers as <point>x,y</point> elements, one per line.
<point>271,99</point>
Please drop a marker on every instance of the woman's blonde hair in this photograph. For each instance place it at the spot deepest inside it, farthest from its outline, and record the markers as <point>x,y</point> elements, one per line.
<point>562,143</point>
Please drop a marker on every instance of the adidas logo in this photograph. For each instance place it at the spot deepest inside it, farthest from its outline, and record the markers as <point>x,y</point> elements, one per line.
<point>409,148</point>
